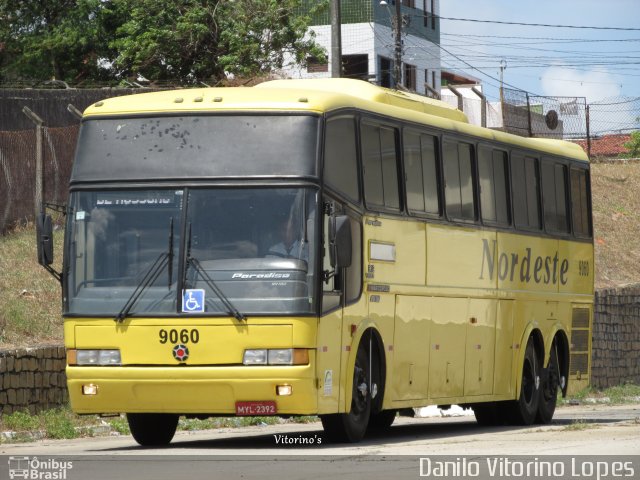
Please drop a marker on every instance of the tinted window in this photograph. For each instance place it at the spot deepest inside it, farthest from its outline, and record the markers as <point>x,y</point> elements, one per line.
<point>459,180</point>
<point>340,157</point>
<point>554,196</point>
<point>421,173</point>
<point>580,203</point>
<point>525,187</point>
<point>379,162</point>
<point>492,169</point>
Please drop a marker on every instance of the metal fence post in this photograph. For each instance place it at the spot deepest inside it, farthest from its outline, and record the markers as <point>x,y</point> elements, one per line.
<point>39,190</point>
<point>529,116</point>
<point>588,121</point>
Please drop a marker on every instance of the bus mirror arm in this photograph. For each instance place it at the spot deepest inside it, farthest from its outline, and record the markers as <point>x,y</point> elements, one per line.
<point>44,243</point>
<point>340,241</point>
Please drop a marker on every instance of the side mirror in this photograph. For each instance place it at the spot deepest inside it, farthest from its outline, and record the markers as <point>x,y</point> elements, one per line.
<point>44,239</point>
<point>340,241</point>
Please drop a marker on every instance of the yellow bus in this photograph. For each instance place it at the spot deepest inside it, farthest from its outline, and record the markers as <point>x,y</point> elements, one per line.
<point>319,247</point>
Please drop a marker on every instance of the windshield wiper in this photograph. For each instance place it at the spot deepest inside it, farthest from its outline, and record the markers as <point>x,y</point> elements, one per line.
<point>231,309</point>
<point>164,259</point>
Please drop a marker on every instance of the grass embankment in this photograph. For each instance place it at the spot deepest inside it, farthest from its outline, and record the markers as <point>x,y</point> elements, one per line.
<point>30,298</point>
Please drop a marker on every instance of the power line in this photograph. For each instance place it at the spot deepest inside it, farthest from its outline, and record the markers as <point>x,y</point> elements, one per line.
<point>501,22</point>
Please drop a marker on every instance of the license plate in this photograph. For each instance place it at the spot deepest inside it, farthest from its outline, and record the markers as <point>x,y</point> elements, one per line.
<point>256,408</point>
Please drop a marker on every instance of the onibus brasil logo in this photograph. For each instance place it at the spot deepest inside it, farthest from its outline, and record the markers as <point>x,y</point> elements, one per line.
<point>33,468</point>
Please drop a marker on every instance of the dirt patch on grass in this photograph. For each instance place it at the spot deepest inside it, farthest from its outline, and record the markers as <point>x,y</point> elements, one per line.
<point>616,218</point>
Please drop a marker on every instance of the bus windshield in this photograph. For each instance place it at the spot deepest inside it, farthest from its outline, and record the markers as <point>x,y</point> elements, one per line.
<point>208,251</point>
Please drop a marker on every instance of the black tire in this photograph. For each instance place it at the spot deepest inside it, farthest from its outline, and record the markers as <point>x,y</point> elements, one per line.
<point>549,389</point>
<point>152,429</point>
<point>524,410</point>
<point>351,427</point>
<point>488,414</point>
<point>382,420</point>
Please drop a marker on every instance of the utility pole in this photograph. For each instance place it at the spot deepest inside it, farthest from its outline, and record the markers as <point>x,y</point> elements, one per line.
<point>336,40</point>
<point>397,67</point>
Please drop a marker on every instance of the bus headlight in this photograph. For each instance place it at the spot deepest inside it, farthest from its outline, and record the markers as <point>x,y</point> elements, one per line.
<point>94,357</point>
<point>276,356</point>
<point>255,357</point>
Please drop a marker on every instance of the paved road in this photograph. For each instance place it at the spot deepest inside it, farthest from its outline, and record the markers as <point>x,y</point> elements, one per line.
<point>267,451</point>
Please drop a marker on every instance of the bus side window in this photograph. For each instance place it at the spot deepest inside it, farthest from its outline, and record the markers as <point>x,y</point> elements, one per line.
<point>580,203</point>
<point>526,192</point>
<point>379,163</point>
<point>554,194</point>
<point>421,175</point>
<point>340,157</point>
<point>494,197</point>
<point>458,180</point>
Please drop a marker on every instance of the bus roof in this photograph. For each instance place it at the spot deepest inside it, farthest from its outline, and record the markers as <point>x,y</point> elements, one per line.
<point>319,96</point>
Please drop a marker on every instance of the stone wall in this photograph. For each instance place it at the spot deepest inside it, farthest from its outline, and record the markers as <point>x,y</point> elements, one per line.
<point>32,379</point>
<point>615,357</point>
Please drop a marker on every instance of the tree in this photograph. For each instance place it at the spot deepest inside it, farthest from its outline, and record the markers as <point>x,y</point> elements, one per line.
<point>181,40</point>
<point>46,39</point>
<point>204,39</point>
<point>633,145</point>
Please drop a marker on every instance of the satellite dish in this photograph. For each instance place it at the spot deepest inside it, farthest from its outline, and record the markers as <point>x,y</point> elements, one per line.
<point>551,119</point>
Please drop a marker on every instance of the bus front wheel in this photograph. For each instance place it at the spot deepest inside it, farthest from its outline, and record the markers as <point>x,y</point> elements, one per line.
<point>351,427</point>
<point>152,429</point>
<point>524,410</point>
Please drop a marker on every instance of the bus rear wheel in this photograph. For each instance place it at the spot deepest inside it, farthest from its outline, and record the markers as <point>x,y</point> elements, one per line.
<point>152,429</point>
<point>524,410</point>
<point>549,389</point>
<point>382,420</point>
<point>488,414</point>
<point>351,427</point>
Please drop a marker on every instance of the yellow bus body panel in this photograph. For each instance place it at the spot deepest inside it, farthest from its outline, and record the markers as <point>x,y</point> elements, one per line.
<point>211,380</point>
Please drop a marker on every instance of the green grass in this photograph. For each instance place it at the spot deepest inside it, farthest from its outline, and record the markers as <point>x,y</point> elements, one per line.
<point>621,394</point>
<point>62,423</point>
<point>578,425</point>
<point>30,304</point>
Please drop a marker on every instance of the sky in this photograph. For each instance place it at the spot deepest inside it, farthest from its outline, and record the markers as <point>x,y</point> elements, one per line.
<point>597,64</point>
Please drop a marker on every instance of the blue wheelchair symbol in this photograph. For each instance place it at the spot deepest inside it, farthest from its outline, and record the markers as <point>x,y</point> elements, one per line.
<point>193,301</point>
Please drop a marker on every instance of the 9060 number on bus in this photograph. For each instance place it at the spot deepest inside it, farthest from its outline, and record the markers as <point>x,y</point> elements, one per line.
<point>183,336</point>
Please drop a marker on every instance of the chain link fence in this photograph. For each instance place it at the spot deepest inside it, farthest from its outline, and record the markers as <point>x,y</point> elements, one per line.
<point>19,146</point>
<point>601,128</point>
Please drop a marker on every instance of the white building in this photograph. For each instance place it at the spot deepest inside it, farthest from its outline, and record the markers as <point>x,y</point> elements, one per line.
<point>368,43</point>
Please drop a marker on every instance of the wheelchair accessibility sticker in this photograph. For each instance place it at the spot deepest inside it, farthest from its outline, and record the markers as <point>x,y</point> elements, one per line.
<point>193,300</point>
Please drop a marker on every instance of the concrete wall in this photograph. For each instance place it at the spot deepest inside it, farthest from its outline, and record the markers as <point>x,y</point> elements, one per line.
<point>616,337</point>
<point>32,379</point>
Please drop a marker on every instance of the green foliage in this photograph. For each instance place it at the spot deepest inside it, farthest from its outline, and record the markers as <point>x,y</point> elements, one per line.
<point>58,423</point>
<point>182,40</point>
<point>120,425</point>
<point>21,421</point>
<point>633,145</point>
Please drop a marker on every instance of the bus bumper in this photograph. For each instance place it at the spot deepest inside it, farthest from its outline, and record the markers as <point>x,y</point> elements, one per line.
<point>190,390</point>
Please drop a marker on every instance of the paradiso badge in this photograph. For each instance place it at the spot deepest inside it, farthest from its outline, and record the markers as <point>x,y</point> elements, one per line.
<point>181,353</point>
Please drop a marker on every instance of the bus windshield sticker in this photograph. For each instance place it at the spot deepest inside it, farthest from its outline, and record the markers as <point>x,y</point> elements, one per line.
<point>193,300</point>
